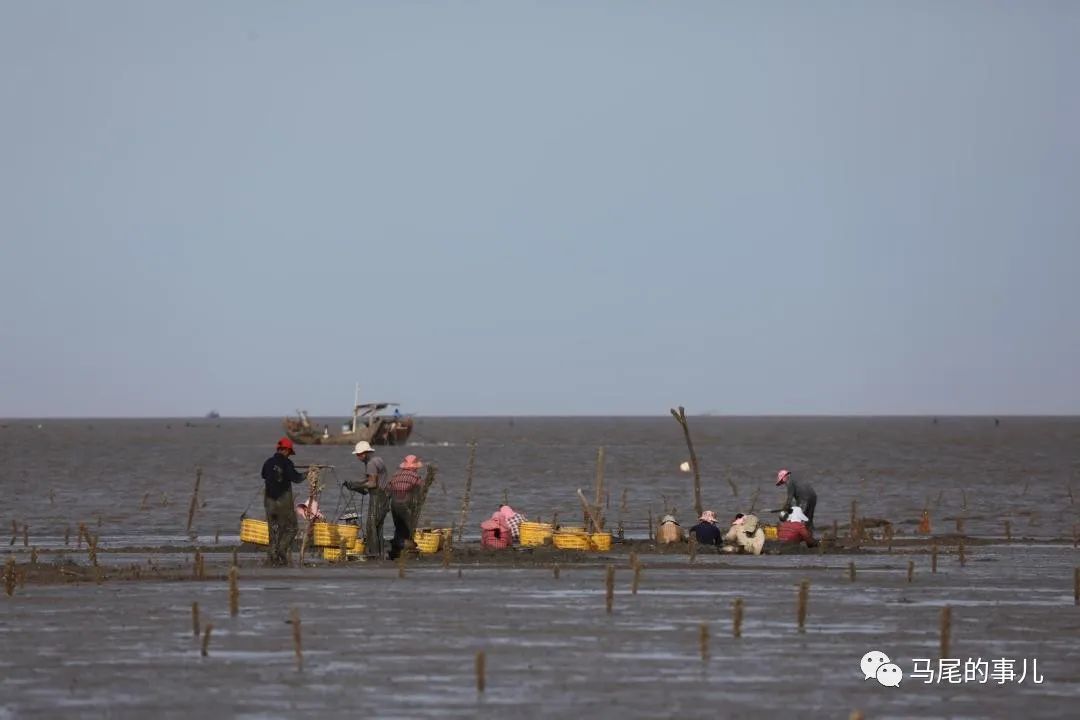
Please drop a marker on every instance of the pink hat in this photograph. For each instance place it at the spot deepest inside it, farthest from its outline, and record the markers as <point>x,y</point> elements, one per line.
<point>411,462</point>
<point>506,511</point>
<point>708,516</point>
<point>782,477</point>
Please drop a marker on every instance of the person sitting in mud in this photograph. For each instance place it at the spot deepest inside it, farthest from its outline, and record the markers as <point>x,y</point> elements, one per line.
<point>706,532</point>
<point>745,535</point>
<point>794,528</point>
<point>495,532</point>
<point>669,531</point>
<point>513,521</point>
<point>799,492</point>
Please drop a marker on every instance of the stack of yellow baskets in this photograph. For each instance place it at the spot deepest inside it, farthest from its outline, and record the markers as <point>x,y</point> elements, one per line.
<point>333,535</point>
<point>430,540</point>
<point>352,549</point>
<point>256,532</point>
<point>575,538</point>
<point>533,534</point>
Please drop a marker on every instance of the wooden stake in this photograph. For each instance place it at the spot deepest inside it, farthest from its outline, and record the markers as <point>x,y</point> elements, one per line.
<point>933,558</point>
<point>651,536</point>
<point>804,597</point>
<point>26,535</point>
<point>692,547</point>
<point>851,522</point>
<point>959,525</point>
<point>217,536</point>
<point>703,641</point>
<point>610,593</point>
<point>194,499</point>
<point>1008,531</point>
<point>195,618</point>
<point>14,532</point>
<point>910,570</point>
<point>555,571</point>
<point>835,529</point>
<point>196,566</point>
<point>206,640</point>
<point>622,514</point>
<point>234,591</point>
<point>480,663</point>
<point>851,571</point>
<point>946,630</point>
<point>9,576</point>
<point>637,579</point>
<point>294,616</point>
<point>1076,585</point>
<point>960,552</point>
<point>737,611</point>
<point>67,535</point>
<point>633,560</point>
<point>680,417</point>
<point>33,555</point>
<point>468,490</point>
<point>401,566</point>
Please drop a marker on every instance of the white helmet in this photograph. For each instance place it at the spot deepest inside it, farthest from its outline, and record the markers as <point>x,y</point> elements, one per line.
<point>362,447</point>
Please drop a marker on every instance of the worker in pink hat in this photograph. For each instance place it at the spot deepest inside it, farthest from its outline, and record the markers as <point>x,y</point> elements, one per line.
<point>799,492</point>
<point>406,489</point>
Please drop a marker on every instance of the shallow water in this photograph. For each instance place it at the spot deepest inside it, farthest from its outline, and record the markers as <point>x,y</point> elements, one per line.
<point>135,477</point>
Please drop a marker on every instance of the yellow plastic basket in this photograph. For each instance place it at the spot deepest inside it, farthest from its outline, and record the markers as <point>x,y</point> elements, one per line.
<point>331,554</point>
<point>535,533</point>
<point>571,541</point>
<point>427,541</point>
<point>572,530</point>
<point>600,541</point>
<point>352,549</point>
<point>770,532</point>
<point>327,535</point>
<point>256,532</point>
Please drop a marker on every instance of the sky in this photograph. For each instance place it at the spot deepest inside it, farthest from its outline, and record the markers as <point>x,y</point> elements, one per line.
<point>539,208</point>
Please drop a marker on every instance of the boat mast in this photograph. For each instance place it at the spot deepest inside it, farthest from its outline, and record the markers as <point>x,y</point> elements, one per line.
<point>355,406</point>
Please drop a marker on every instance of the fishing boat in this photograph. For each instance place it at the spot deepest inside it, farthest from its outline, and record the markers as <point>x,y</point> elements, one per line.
<point>369,422</point>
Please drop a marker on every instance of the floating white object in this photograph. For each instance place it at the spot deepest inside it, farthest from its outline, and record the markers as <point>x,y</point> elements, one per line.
<point>685,467</point>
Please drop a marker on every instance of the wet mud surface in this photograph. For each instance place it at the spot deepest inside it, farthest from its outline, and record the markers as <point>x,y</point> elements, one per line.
<point>86,642</point>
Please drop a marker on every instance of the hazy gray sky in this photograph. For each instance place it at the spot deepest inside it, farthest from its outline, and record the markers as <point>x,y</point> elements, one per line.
<point>539,208</point>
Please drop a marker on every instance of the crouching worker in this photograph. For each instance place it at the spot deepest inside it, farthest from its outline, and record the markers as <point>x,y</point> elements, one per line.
<point>794,529</point>
<point>706,531</point>
<point>513,521</point>
<point>669,531</point>
<point>495,532</point>
<point>745,535</point>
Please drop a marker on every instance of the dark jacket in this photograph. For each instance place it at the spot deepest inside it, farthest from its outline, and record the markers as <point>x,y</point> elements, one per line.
<point>280,474</point>
<point>801,493</point>
<point>707,533</point>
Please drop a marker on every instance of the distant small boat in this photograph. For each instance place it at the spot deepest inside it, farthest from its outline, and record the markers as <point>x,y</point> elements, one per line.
<point>212,415</point>
<point>367,423</point>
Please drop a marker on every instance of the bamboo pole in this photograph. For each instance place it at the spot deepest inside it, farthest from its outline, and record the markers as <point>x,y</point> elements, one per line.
<point>737,613</point>
<point>588,511</point>
<point>910,570</point>
<point>851,571</point>
<point>804,596</point>
<point>637,579</point>
<point>933,558</point>
<point>195,618</point>
<point>680,417</point>
<point>610,588</point>
<point>480,671</point>
<point>555,571</point>
<point>206,640</point>
<point>194,499</point>
<point>468,490</point>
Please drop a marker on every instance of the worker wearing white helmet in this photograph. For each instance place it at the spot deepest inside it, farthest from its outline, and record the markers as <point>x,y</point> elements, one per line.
<point>373,484</point>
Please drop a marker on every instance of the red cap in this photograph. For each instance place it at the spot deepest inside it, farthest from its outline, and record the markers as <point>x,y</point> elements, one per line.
<point>286,444</point>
